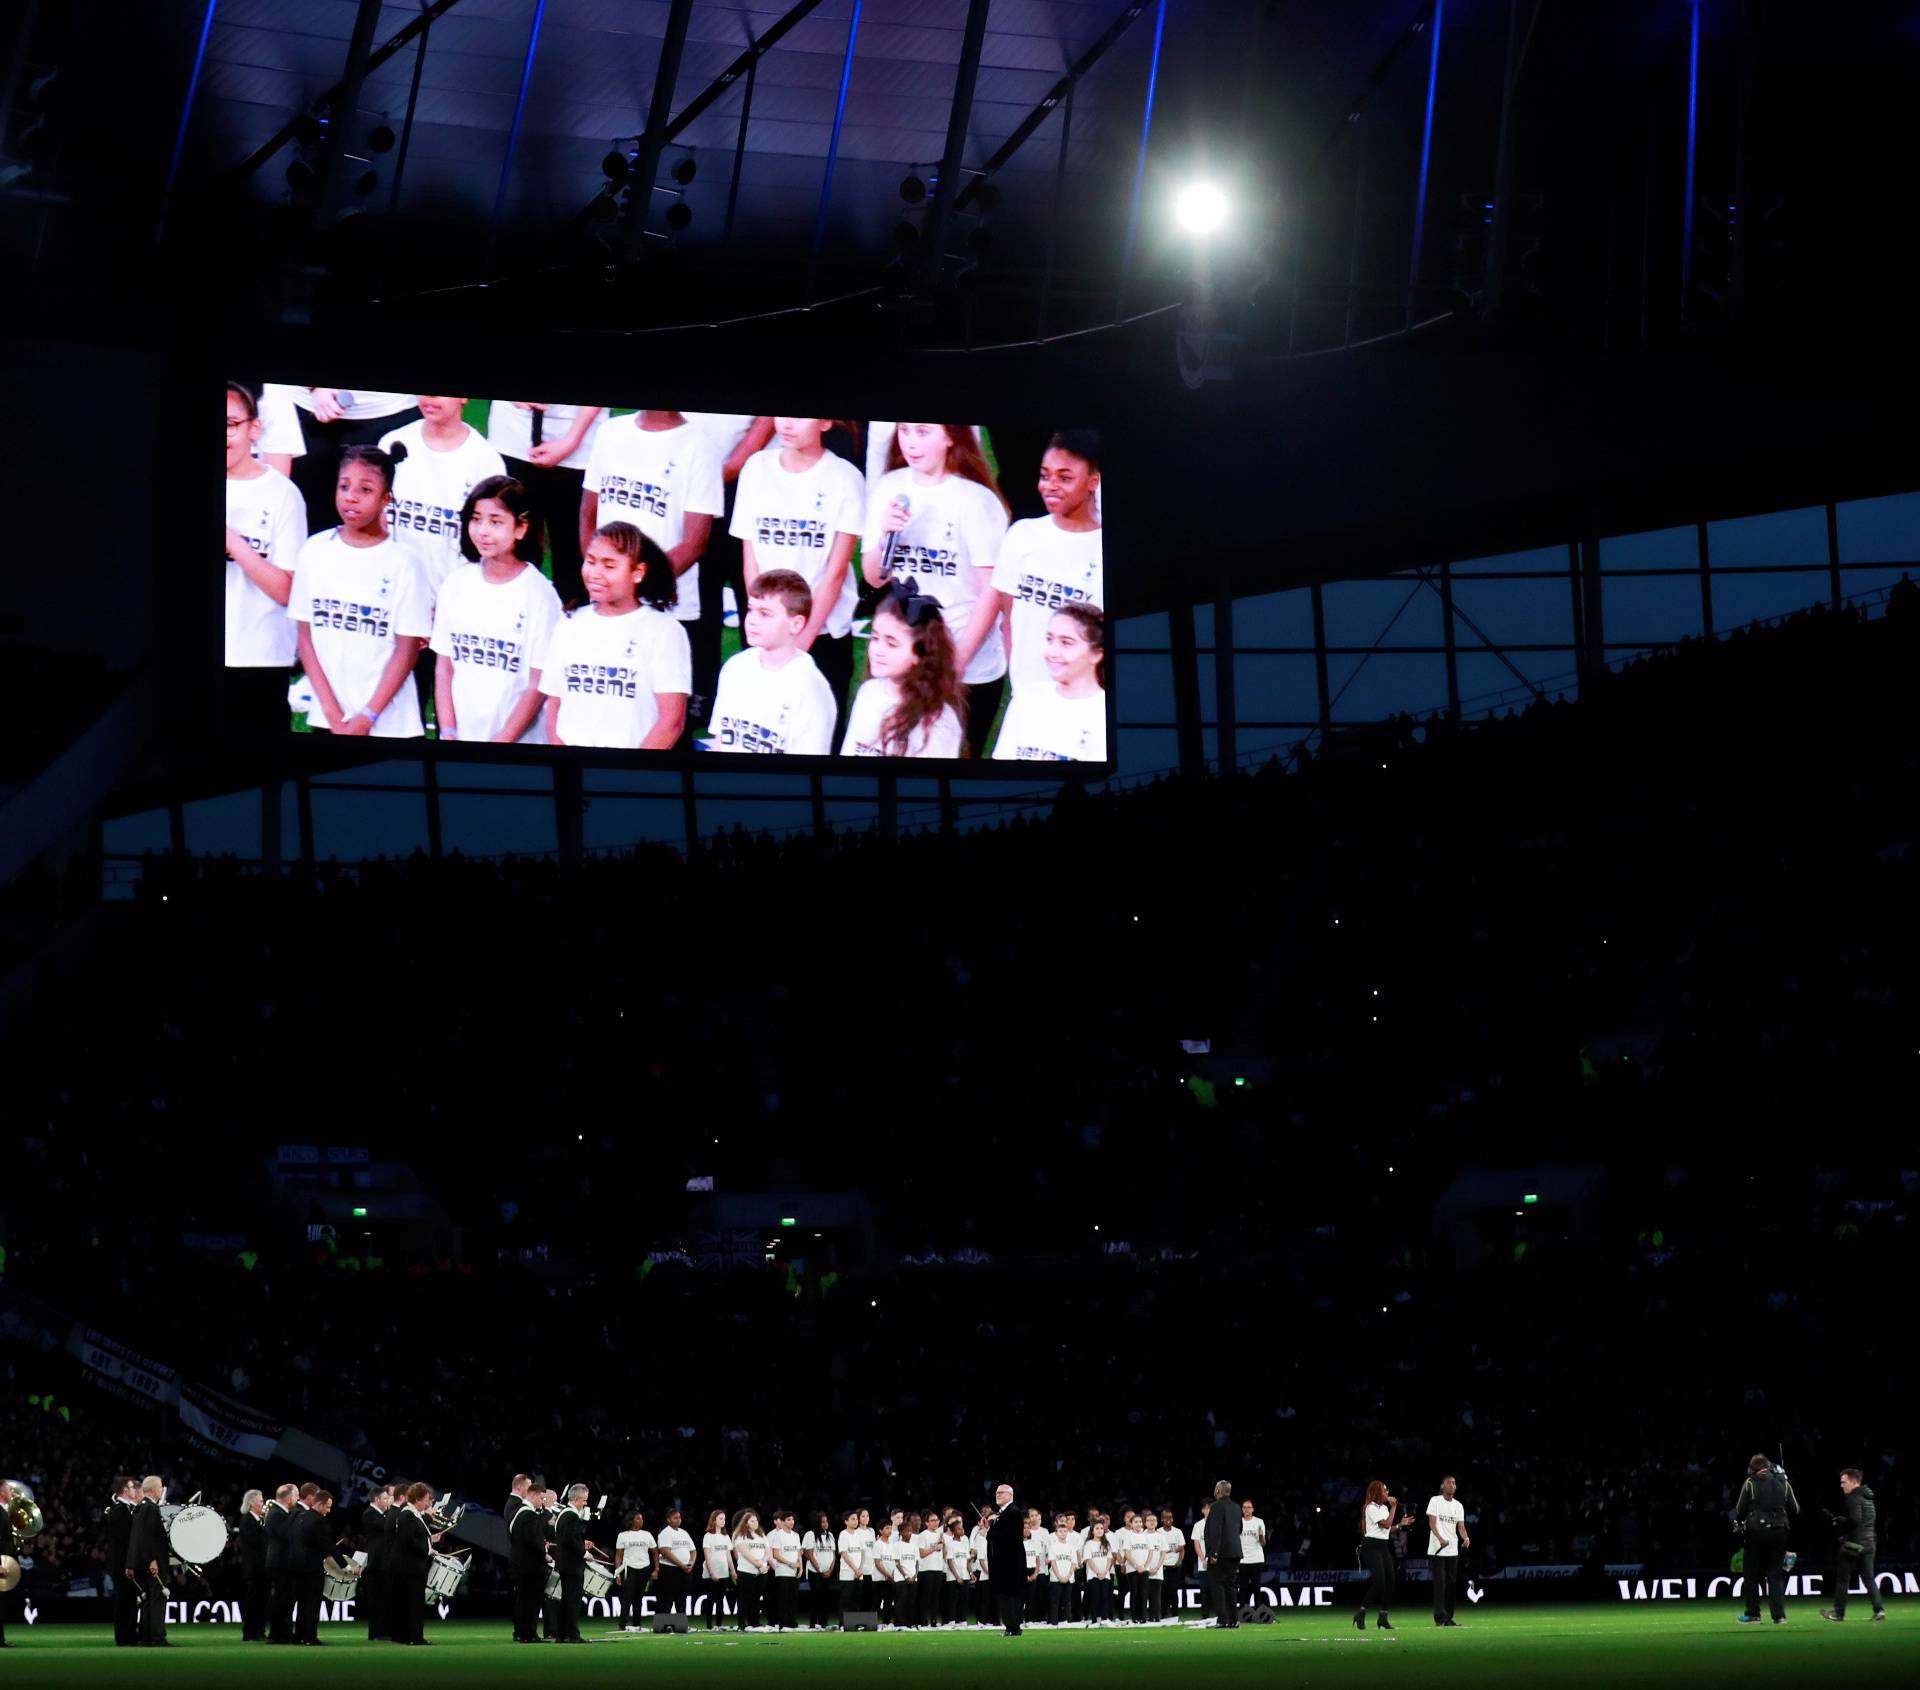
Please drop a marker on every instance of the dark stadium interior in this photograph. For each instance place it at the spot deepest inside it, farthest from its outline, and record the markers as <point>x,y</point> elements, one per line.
<point>1465,1025</point>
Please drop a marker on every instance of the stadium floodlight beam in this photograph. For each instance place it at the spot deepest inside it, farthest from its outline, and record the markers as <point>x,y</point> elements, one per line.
<point>1200,208</point>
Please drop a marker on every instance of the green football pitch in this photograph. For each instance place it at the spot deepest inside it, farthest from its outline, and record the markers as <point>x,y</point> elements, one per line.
<point>1530,1647</point>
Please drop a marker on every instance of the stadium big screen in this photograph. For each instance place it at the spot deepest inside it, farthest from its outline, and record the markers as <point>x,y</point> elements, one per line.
<point>530,574</point>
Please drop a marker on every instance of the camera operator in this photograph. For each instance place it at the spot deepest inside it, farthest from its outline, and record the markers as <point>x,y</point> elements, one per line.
<point>1855,1525</point>
<point>1767,1506</point>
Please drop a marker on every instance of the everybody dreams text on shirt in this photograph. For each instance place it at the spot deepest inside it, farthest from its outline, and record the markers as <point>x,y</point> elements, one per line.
<point>489,653</point>
<point>799,532</point>
<point>1050,595</point>
<point>351,618</point>
<point>416,516</point>
<point>648,496</point>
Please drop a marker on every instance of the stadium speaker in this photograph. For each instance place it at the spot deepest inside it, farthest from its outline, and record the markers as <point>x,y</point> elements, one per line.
<point>670,1622</point>
<point>860,1619</point>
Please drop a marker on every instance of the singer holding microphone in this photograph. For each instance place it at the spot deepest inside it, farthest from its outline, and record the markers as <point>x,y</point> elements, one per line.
<point>1006,1558</point>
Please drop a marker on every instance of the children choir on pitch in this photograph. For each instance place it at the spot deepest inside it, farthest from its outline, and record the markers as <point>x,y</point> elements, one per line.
<point>541,584</point>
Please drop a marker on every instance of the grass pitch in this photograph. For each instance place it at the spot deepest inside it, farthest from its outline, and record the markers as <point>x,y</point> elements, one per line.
<point>1523,1648</point>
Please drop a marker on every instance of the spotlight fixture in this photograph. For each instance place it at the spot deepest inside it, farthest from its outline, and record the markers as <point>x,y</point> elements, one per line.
<point>683,171</point>
<point>679,215</point>
<point>615,166</point>
<point>380,138</point>
<point>1200,208</point>
<point>913,189</point>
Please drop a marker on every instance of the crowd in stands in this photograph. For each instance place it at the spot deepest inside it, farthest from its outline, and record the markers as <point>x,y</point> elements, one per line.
<point>1664,933</point>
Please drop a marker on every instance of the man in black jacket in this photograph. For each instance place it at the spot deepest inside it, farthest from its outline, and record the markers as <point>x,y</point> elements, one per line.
<point>1223,1555</point>
<point>1007,1559</point>
<point>527,1561</point>
<point>126,1593</point>
<point>1856,1526</point>
<point>312,1542</point>
<point>146,1556</point>
<point>413,1542</point>
<point>253,1565</point>
<point>278,1521</point>
<point>376,1531</point>
<point>1767,1507</point>
<point>570,1543</point>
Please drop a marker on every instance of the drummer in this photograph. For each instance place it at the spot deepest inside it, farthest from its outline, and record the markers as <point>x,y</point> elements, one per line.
<point>312,1542</point>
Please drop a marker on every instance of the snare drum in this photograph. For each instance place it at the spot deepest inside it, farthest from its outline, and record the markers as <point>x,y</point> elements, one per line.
<point>553,1587</point>
<point>339,1587</point>
<point>197,1534</point>
<point>445,1577</point>
<point>598,1580</point>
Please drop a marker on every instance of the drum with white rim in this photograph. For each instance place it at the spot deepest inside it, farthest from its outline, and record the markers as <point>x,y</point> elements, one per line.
<point>197,1534</point>
<point>553,1587</point>
<point>339,1587</point>
<point>446,1577</point>
<point>598,1580</point>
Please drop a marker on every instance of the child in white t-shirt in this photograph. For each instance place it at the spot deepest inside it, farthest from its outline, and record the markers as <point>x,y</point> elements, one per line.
<point>362,609</point>
<point>657,471</point>
<point>802,508</point>
<point>771,697</point>
<point>281,440</point>
<point>1097,1557</point>
<point>634,1556</point>
<point>1067,721</point>
<point>441,463</point>
<point>716,1563</point>
<point>675,1564</point>
<point>937,515</point>
<point>617,672</point>
<point>750,1562</point>
<point>817,1554</point>
<point>266,527</point>
<point>956,1554</point>
<point>491,626</point>
<point>914,704</point>
<point>1063,1559</point>
<point>1045,562</point>
<point>786,1562</point>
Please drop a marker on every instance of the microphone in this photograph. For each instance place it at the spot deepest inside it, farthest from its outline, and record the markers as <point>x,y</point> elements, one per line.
<point>538,426</point>
<point>892,540</point>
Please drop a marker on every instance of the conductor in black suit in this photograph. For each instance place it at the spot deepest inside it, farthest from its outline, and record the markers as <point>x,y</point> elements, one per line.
<point>527,1561</point>
<point>146,1555</point>
<point>1223,1555</point>
<point>253,1567</point>
<point>570,1562</point>
<point>312,1542</point>
<point>413,1541</point>
<point>278,1521</point>
<point>1006,1559</point>
<point>376,1528</point>
<point>126,1593</point>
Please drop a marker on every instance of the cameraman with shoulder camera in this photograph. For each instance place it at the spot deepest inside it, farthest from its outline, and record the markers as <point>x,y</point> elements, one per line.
<point>1855,1525</point>
<point>1767,1506</point>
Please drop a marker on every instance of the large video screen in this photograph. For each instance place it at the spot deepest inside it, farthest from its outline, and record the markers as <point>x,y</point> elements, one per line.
<point>531,574</point>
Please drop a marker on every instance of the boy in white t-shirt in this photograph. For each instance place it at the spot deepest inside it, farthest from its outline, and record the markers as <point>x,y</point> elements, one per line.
<point>772,698</point>
<point>1063,1561</point>
<point>856,1563</point>
<point>444,461</point>
<point>675,1564</point>
<point>783,1554</point>
<point>1446,1537</point>
<point>635,1555</point>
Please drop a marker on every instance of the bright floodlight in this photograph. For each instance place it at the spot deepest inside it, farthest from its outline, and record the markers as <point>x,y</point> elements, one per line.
<point>1201,208</point>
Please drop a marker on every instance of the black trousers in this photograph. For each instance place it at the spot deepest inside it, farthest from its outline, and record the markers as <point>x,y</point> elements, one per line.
<point>555,494</point>
<point>1376,1556</point>
<point>782,1598</point>
<point>528,1586</point>
<point>983,704</point>
<point>632,1587</point>
<point>1136,1588</point>
<point>1037,1599</point>
<point>1446,1584</point>
<point>153,1610</point>
<point>567,1615</point>
<point>1766,1553</point>
<point>316,473</point>
<point>1850,1567</point>
<point>408,1623</point>
<point>1250,1582</point>
<point>953,1601</point>
<point>281,1612</point>
<point>1010,1606</point>
<point>821,1607</point>
<point>671,1597</point>
<point>720,567</point>
<point>1060,1602</point>
<point>253,1607</point>
<point>373,1601</point>
<point>126,1609</point>
<point>1224,1577</point>
<point>1099,1599</point>
<point>715,1591</point>
<point>931,1588</point>
<point>1156,1597</point>
<point>306,1596</point>
<point>748,1595</point>
<point>834,659</point>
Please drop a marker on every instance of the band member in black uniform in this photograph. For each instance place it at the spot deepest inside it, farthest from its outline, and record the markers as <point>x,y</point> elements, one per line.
<point>126,1594</point>
<point>527,1562</point>
<point>376,1529</point>
<point>570,1544</point>
<point>413,1541</point>
<point>252,1533</point>
<point>548,1503</point>
<point>278,1521</point>
<point>1006,1559</point>
<point>1223,1555</point>
<point>1767,1507</point>
<point>146,1555</point>
<point>312,1543</point>
<point>516,1497</point>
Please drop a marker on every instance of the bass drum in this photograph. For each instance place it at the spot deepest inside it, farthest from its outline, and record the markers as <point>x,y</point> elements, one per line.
<point>197,1534</point>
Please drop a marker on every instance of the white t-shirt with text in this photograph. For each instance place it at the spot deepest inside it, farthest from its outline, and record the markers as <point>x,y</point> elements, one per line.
<point>780,1544</point>
<point>676,1547</point>
<point>1041,726</point>
<point>655,479</point>
<point>1448,1514</point>
<point>788,710</point>
<point>941,737</point>
<point>606,669</point>
<point>818,1548</point>
<point>793,520</point>
<point>854,1559</point>
<point>636,1552</point>
<point>496,634</point>
<point>1253,1541</point>
<point>280,429</point>
<point>716,1550</point>
<point>1043,567</point>
<point>949,546</point>
<point>430,490</point>
<point>358,600</point>
<point>267,512</point>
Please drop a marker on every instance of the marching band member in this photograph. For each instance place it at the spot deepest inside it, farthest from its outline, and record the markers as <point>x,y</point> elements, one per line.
<point>570,1545</point>
<point>526,1561</point>
<point>252,1533</point>
<point>279,1524</point>
<point>126,1592</point>
<point>413,1542</point>
<point>377,1528</point>
<point>146,1551</point>
<point>312,1539</point>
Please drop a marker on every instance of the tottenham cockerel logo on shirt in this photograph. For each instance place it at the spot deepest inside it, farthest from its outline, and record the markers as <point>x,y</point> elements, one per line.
<point>939,561</point>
